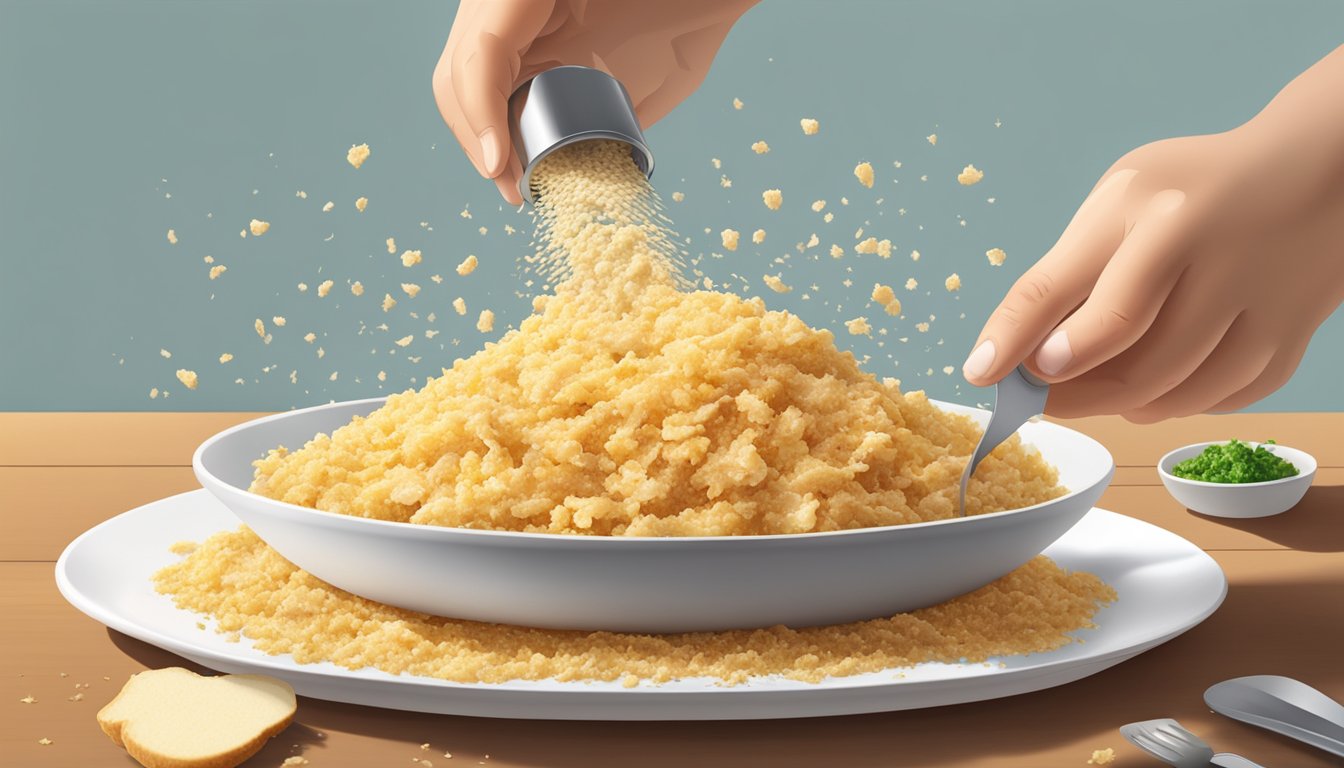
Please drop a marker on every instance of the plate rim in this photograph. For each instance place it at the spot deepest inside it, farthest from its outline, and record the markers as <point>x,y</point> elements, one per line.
<point>276,663</point>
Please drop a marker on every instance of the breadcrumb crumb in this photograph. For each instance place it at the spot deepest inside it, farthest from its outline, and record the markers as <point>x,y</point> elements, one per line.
<point>411,258</point>
<point>172,237</point>
<point>737,103</point>
<point>361,204</point>
<point>758,236</point>
<point>970,175</point>
<point>327,208</point>
<point>460,305</point>
<point>953,282</point>
<point>388,302</point>
<point>411,289</point>
<point>1102,757</point>
<point>405,341</point>
<point>911,284</point>
<point>259,227</point>
<point>810,126</point>
<point>392,245</point>
<point>818,205</point>
<point>357,288</point>
<point>188,378</point>
<point>776,283</point>
<point>864,173</point>
<point>996,256</point>
<point>932,138</point>
<point>217,270</point>
<point>859,327</point>
<point>773,198</point>
<point>760,148</point>
<point>468,265</point>
<point>677,197</point>
<point>357,154</point>
<point>885,296</point>
<point>486,322</point>
<point>224,358</point>
<point>324,288</point>
<point>730,238</point>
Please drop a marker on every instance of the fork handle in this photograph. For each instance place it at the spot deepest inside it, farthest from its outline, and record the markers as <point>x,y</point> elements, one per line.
<point>1229,760</point>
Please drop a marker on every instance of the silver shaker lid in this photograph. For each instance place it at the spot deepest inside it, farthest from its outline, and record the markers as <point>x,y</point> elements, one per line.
<point>566,105</point>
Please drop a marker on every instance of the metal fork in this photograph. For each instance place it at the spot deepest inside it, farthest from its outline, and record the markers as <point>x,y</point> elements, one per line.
<point>1170,742</point>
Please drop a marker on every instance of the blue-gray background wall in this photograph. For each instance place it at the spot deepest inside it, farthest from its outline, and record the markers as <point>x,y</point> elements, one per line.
<point>121,119</point>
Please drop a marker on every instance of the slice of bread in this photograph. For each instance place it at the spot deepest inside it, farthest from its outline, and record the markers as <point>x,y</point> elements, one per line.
<point>175,718</point>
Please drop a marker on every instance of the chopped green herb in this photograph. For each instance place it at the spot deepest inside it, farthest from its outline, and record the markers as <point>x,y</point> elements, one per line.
<point>1235,462</point>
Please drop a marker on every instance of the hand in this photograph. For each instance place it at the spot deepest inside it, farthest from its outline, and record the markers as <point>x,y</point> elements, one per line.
<point>1192,277</point>
<point>660,52</point>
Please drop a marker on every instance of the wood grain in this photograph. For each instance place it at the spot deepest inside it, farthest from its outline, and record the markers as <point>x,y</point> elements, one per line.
<point>63,473</point>
<point>1272,622</point>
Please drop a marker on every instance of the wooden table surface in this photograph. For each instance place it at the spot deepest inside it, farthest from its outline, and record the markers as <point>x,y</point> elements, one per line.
<point>61,473</point>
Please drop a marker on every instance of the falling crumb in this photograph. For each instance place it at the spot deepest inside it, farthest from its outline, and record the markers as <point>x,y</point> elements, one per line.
<point>209,259</point>
<point>301,194</point>
<point>932,138</point>
<point>468,265</point>
<point>310,337</point>
<point>947,369</point>
<point>716,162</point>
<point>837,251</point>
<point>773,198</point>
<point>411,289</point>
<point>172,237</point>
<point>302,287</point>
<point>911,284</point>
<point>923,328</point>
<point>361,204</point>
<point>677,197</point>
<point>153,393</point>
<point>388,302</point>
<point>217,270</point>
<point>382,375</point>
<point>867,246</point>
<point>259,227</point>
<point>737,103</point>
<point>730,238</point>
<point>392,245</point>
<point>188,378</point>
<point>970,175</point>
<point>327,208</point>
<point>278,320</point>
<point>357,288</point>
<point>776,283</point>
<point>460,305</point>
<point>357,154</point>
<point>864,173</point>
<point>758,236</point>
<point>224,358</point>
<point>914,255</point>
<point>859,327</point>
<point>260,328</point>
<point>725,182</point>
<point>486,322</point>
<point>760,147</point>
<point>436,278</point>
<point>324,288</point>
<point>883,295</point>
<point>953,282</point>
<point>404,341</point>
<point>818,205</point>
<point>1102,757</point>
<point>810,126</point>
<point>411,258</point>
<point>996,256</point>
<point>165,353</point>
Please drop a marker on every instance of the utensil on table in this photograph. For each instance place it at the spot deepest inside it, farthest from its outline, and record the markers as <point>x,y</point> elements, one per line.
<point>566,105</point>
<point>1170,742</point>
<point>1282,705</point>
<point>1017,397</point>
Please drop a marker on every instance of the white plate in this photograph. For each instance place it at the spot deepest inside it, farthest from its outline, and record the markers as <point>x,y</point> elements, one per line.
<point>1166,585</point>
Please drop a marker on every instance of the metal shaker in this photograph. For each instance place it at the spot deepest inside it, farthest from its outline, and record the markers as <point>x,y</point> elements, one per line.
<point>566,105</point>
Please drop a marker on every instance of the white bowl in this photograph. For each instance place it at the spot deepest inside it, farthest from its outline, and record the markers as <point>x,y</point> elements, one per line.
<point>665,584</point>
<point>1242,500</point>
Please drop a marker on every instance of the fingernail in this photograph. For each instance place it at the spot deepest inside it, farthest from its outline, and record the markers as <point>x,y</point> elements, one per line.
<point>1055,353</point>
<point>490,159</point>
<point>979,361</point>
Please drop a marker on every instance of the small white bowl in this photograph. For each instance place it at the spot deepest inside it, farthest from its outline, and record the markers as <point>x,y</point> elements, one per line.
<point>1243,500</point>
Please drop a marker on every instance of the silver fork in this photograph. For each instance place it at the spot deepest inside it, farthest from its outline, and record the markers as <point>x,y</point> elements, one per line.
<point>1170,742</point>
